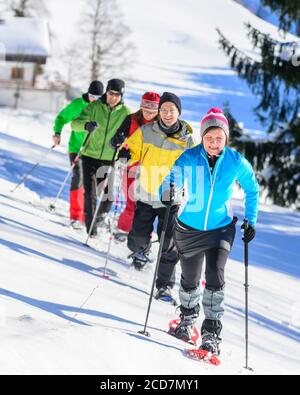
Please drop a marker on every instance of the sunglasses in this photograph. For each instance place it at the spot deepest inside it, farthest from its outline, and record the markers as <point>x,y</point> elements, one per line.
<point>113,93</point>
<point>95,97</point>
<point>171,111</point>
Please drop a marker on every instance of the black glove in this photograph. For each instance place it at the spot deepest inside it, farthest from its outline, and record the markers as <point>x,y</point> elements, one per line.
<point>117,140</point>
<point>124,153</point>
<point>249,233</point>
<point>91,126</point>
<point>168,197</point>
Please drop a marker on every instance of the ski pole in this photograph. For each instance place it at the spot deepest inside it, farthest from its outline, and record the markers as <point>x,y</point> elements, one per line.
<point>105,183</point>
<point>118,196</point>
<point>246,294</point>
<point>162,240</point>
<point>32,169</point>
<point>52,205</point>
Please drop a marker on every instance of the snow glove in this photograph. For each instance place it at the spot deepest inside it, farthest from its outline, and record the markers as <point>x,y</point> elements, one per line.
<point>249,233</point>
<point>117,140</point>
<point>91,126</point>
<point>124,153</point>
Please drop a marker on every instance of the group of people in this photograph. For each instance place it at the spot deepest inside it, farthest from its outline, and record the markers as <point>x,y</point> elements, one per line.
<point>164,168</point>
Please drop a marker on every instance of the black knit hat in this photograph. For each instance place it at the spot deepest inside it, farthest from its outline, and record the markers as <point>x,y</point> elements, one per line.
<point>116,85</point>
<point>96,88</point>
<point>168,96</point>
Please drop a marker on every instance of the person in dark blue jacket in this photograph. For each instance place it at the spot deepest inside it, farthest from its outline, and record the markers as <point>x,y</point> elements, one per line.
<point>205,225</point>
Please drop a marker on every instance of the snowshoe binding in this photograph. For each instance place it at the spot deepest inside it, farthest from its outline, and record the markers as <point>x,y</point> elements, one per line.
<point>139,260</point>
<point>184,329</point>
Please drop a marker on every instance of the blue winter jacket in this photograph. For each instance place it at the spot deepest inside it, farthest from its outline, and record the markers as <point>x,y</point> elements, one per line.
<point>208,194</point>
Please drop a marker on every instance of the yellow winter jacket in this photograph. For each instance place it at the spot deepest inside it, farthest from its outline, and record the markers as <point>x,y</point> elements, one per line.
<point>156,153</point>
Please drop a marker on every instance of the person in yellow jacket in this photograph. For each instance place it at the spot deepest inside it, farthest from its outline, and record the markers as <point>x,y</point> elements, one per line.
<point>156,147</point>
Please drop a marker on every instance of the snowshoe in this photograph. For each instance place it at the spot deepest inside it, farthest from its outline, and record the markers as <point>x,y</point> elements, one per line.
<point>203,355</point>
<point>210,343</point>
<point>184,330</point>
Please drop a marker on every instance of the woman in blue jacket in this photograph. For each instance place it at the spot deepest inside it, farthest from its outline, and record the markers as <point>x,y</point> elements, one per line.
<point>205,226</point>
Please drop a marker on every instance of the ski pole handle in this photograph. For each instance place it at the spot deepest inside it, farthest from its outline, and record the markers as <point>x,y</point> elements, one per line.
<point>245,225</point>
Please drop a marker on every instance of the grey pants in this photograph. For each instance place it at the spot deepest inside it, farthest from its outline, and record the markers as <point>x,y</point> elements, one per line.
<point>193,246</point>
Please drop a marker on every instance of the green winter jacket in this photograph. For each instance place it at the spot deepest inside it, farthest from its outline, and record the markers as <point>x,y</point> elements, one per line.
<point>67,115</point>
<point>109,121</point>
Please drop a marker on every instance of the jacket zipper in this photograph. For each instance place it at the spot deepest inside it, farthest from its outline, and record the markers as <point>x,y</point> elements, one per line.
<point>103,145</point>
<point>212,181</point>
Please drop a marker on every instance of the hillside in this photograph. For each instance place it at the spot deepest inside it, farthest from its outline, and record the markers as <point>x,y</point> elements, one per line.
<point>47,274</point>
<point>176,50</point>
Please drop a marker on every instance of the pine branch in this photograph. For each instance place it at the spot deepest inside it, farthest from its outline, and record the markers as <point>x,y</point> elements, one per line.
<point>289,13</point>
<point>276,83</point>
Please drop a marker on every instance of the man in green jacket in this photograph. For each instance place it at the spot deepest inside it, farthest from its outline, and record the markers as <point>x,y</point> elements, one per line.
<point>76,140</point>
<point>102,119</point>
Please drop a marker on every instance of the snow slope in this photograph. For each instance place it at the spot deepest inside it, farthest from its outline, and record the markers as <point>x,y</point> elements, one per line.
<point>176,50</point>
<point>47,274</point>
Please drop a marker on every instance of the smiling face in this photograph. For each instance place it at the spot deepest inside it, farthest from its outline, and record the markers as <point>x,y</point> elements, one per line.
<point>214,141</point>
<point>149,114</point>
<point>113,98</point>
<point>169,113</point>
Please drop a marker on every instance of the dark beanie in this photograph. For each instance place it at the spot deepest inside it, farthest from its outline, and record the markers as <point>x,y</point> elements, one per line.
<point>116,85</point>
<point>96,88</point>
<point>168,96</point>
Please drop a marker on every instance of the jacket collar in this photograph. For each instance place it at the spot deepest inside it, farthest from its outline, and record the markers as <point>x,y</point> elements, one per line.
<point>204,154</point>
<point>183,134</point>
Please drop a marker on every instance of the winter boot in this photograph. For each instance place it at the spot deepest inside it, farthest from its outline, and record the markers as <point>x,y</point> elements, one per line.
<point>210,332</point>
<point>184,328</point>
<point>75,224</point>
<point>121,237</point>
<point>139,260</point>
<point>164,293</point>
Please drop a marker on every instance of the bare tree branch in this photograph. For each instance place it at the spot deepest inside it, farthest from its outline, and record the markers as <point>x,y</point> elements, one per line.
<point>105,40</point>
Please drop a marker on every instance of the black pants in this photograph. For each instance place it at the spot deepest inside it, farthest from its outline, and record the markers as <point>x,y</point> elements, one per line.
<point>193,245</point>
<point>94,174</point>
<point>139,239</point>
<point>77,176</point>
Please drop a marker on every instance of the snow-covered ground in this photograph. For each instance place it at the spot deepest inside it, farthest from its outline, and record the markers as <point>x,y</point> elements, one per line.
<point>47,274</point>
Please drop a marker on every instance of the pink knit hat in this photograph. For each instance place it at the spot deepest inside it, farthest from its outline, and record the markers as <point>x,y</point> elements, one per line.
<point>214,118</point>
<point>150,101</point>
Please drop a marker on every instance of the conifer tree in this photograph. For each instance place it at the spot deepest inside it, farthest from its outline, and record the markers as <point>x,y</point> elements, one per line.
<point>275,79</point>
